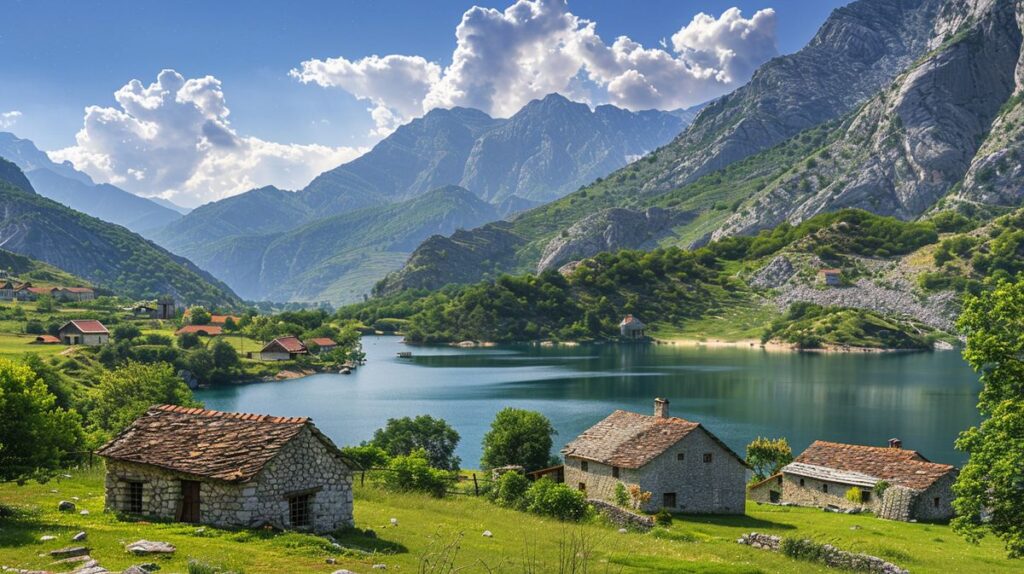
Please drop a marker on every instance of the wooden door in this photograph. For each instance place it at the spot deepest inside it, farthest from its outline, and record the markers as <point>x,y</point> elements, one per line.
<point>189,501</point>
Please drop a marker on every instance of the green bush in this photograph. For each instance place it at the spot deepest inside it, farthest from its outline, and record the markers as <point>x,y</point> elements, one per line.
<point>510,490</point>
<point>663,517</point>
<point>854,495</point>
<point>621,495</point>
<point>413,473</point>
<point>366,456</point>
<point>802,549</point>
<point>559,501</point>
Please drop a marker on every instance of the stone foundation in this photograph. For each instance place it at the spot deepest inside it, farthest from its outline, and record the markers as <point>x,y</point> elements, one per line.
<point>831,556</point>
<point>621,517</point>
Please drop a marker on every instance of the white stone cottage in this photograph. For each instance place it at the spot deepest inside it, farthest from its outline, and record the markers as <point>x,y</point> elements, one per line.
<point>821,476</point>
<point>84,332</point>
<point>682,465</point>
<point>228,470</point>
<point>632,328</point>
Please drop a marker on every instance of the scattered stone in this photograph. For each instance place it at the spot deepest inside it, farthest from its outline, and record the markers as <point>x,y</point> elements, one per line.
<point>623,531</point>
<point>135,570</point>
<point>53,491</point>
<point>331,561</point>
<point>380,566</point>
<point>47,538</point>
<point>66,506</point>
<point>147,547</point>
<point>343,572</point>
<point>66,475</point>
<point>149,566</point>
<point>394,522</point>
<point>79,537</point>
<point>487,534</point>
<point>84,513</point>
<point>69,551</point>
<point>74,559</point>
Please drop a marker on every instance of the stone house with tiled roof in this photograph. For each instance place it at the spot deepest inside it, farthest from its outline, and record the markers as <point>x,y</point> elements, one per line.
<point>228,470</point>
<point>283,349</point>
<point>87,332</point>
<point>821,476</point>
<point>683,465</point>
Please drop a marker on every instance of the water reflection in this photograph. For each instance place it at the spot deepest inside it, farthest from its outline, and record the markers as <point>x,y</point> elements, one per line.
<point>925,399</point>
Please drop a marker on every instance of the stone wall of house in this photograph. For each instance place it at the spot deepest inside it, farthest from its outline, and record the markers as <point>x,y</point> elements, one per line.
<point>897,503</point>
<point>762,492</point>
<point>812,494</point>
<point>273,356</point>
<point>925,507</point>
<point>304,466</point>
<point>717,487</point>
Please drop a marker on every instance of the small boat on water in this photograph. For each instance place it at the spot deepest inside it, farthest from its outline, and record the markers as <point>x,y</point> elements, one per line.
<point>405,354</point>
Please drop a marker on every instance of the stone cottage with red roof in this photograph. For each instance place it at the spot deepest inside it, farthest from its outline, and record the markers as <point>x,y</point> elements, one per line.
<point>914,487</point>
<point>89,332</point>
<point>682,464</point>
<point>228,470</point>
<point>283,349</point>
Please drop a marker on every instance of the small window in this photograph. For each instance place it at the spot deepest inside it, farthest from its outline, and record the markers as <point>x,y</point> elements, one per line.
<point>824,488</point>
<point>584,466</point>
<point>935,502</point>
<point>681,456</point>
<point>668,500</point>
<point>299,510</point>
<point>801,482</point>
<point>615,472</point>
<point>707,457</point>
<point>583,486</point>
<point>134,505</point>
<point>865,496</point>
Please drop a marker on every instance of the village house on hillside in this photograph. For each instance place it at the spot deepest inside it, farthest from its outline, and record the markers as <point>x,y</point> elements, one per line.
<point>632,328</point>
<point>228,470</point>
<point>283,349</point>
<point>166,308</point>
<point>204,330</point>
<point>323,344</point>
<point>917,489</point>
<point>830,277</point>
<point>74,294</point>
<point>682,465</point>
<point>7,290</point>
<point>84,332</point>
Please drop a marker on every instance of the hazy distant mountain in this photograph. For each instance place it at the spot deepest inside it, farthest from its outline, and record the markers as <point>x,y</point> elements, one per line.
<point>549,148</point>
<point>107,255</point>
<point>61,182</point>
<point>170,205</point>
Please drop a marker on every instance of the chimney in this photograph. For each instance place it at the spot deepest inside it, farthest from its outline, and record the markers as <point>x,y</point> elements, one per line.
<point>895,443</point>
<point>661,408</point>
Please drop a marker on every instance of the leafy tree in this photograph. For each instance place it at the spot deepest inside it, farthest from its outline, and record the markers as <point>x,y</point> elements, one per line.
<point>518,437</point>
<point>188,340</point>
<point>510,490</point>
<point>126,332</point>
<point>199,316</point>
<point>126,392</point>
<point>230,325</point>
<point>366,456</point>
<point>201,363</point>
<point>435,437</point>
<point>45,304</point>
<point>56,383</point>
<point>992,481</point>
<point>413,472</point>
<point>36,436</point>
<point>225,357</point>
<point>768,456</point>
<point>34,327</point>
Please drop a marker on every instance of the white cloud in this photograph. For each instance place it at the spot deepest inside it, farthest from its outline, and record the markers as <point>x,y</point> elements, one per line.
<point>8,119</point>
<point>505,58</point>
<point>173,139</point>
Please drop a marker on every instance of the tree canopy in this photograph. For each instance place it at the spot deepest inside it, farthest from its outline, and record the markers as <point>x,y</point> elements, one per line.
<point>518,437</point>
<point>437,439</point>
<point>126,392</point>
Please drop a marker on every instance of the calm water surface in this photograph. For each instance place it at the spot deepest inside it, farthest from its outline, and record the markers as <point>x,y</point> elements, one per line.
<point>925,399</point>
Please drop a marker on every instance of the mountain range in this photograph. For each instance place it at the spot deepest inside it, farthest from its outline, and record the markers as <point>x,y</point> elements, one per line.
<point>64,184</point>
<point>107,255</point>
<point>451,169</point>
<point>899,107</point>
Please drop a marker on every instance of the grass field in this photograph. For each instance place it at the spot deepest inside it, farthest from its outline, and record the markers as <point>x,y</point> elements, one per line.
<point>742,321</point>
<point>428,526</point>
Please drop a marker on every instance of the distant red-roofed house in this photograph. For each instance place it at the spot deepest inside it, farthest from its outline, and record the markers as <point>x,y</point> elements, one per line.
<point>283,349</point>
<point>203,330</point>
<point>45,340</point>
<point>223,319</point>
<point>75,294</point>
<point>323,344</point>
<point>682,464</point>
<point>822,475</point>
<point>29,293</point>
<point>89,332</point>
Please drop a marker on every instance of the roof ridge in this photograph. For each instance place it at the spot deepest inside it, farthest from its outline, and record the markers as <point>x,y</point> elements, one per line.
<point>235,416</point>
<point>909,451</point>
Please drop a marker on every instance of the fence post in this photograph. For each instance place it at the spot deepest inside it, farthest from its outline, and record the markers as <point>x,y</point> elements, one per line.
<point>362,478</point>
<point>476,487</point>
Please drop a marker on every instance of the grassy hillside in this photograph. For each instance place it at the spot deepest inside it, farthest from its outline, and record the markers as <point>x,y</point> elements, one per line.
<point>426,526</point>
<point>107,255</point>
<point>28,269</point>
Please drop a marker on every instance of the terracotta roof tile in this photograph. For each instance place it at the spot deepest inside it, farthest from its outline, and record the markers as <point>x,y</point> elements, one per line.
<point>286,344</point>
<point>323,342</point>
<point>631,440</point>
<point>209,330</point>
<point>896,465</point>
<point>225,446</point>
<point>87,327</point>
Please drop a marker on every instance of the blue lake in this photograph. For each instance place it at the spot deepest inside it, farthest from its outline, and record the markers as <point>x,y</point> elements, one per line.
<point>926,399</point>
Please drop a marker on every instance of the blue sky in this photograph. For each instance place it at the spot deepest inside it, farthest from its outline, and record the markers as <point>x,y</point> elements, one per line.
<point>59,57</point>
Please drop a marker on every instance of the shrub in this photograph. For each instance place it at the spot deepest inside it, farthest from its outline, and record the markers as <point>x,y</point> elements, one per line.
<point>621,495</point>
<point>413,472</point>
<point>854,495</point>
<point>510,490</point>
<point>559,501</point>
<point>880,487</point>
<point>126,332</point>
<point>663,517</point>
<point>366,456</point>
<point>188,340</point>
<point>435,437</point>
<point>802,549</point>
<point>34,328</point>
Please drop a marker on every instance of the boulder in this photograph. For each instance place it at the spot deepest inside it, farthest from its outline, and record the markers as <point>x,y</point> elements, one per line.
<point>143,547</point>
<point>69,551</point>
<point>79,537</point>
<point>66,506</point>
